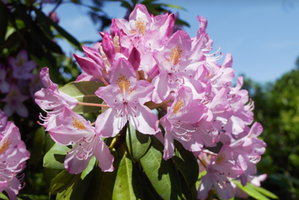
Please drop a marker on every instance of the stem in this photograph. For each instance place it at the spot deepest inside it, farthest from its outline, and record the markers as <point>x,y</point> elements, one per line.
<point>202,162</point>
<point>102,79</point>
<point>93,104</point>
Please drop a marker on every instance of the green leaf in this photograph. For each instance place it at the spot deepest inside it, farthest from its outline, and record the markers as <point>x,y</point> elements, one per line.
<point>162,174</point>
<point>89,167</point>
<point>96,9</point>
<point>84,92</point>
<point>188,192</point>
<point>181,22</point>
<point>173,6</point>
<point>187,164</point>
<point>3,21</point>
<point>250,191</point>
<point>126,5</point>
<point>137,143</point>
<point>102,183</point>
<point>123,187</point>
<point>60,182</point>
<point>54,159</point>
<point>288,178</point>
<point>70,186</point>
<point>38,145</point>
<point>264,191</point>
<point>43,21</point>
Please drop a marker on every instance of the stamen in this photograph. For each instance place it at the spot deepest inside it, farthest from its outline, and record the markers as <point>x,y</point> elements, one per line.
<point>93,104</point>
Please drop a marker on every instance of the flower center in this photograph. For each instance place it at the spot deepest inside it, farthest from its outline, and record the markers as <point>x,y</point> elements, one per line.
<point>78,124</point>
<point>20,62</point>
<point>5,145</point>
<point>123,83</point>
<point>139,24</point>
<point>220,159</point>
<point>177,107</point>
<point>175,55</point>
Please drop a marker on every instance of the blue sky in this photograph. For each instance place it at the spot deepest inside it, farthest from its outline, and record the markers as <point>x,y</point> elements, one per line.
<point>262,36</point>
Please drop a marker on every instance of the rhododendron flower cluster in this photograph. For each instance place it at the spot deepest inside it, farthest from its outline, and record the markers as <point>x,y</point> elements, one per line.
<point>13,156</point>
<point>164,84</point>
<point>14,83</point>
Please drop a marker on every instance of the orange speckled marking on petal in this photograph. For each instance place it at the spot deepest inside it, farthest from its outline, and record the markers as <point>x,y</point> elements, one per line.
<point>139,24</point>
<point>220,159</point>
<point>5,145</point>
<point>175,55</point>
<point>123,83</point>
<point>78,124</point>
<point>177,107</point>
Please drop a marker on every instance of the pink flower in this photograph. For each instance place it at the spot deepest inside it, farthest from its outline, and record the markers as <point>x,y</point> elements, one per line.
<point>221,168</point>
<point>51,100</point>
<point>21,67</point>
<point>13,155</point>
<point>125,96</point>
<point>3,120</point>
<point>14,102</point>
<point>175,62</point>
<point>4,85</point>
<point>180,123</point>
<point>72,129</point>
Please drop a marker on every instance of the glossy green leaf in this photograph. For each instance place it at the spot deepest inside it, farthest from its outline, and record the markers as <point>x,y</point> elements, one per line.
<point>60,182</point>
<point>173,6</point>
<point>43,21</point>
<point>89,167</point>
<point>137,143</point>
<point>181,22</point>
<point>162,174</point>
<point>264,191</point>
<point>188,192</point>
<point>102,183</point>
<point>3,21</point>
<point>126,5</point>
<point>250,191</point>
<point>187,164</point>
<point>37,149</point>
<point>84,92</point>
<point>54,158</point>
<point>70,186</point>
<point>124,187</point>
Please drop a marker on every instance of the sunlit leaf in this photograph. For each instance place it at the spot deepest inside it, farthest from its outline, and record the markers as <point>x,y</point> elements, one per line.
<point>84,92</point>
<point>89,167</point>
<point>125,187</point>
<point>54,158</point>
<point>137,143</point>
<point>264,191</point>
<point>162,174</point>
<point>250,191</point>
